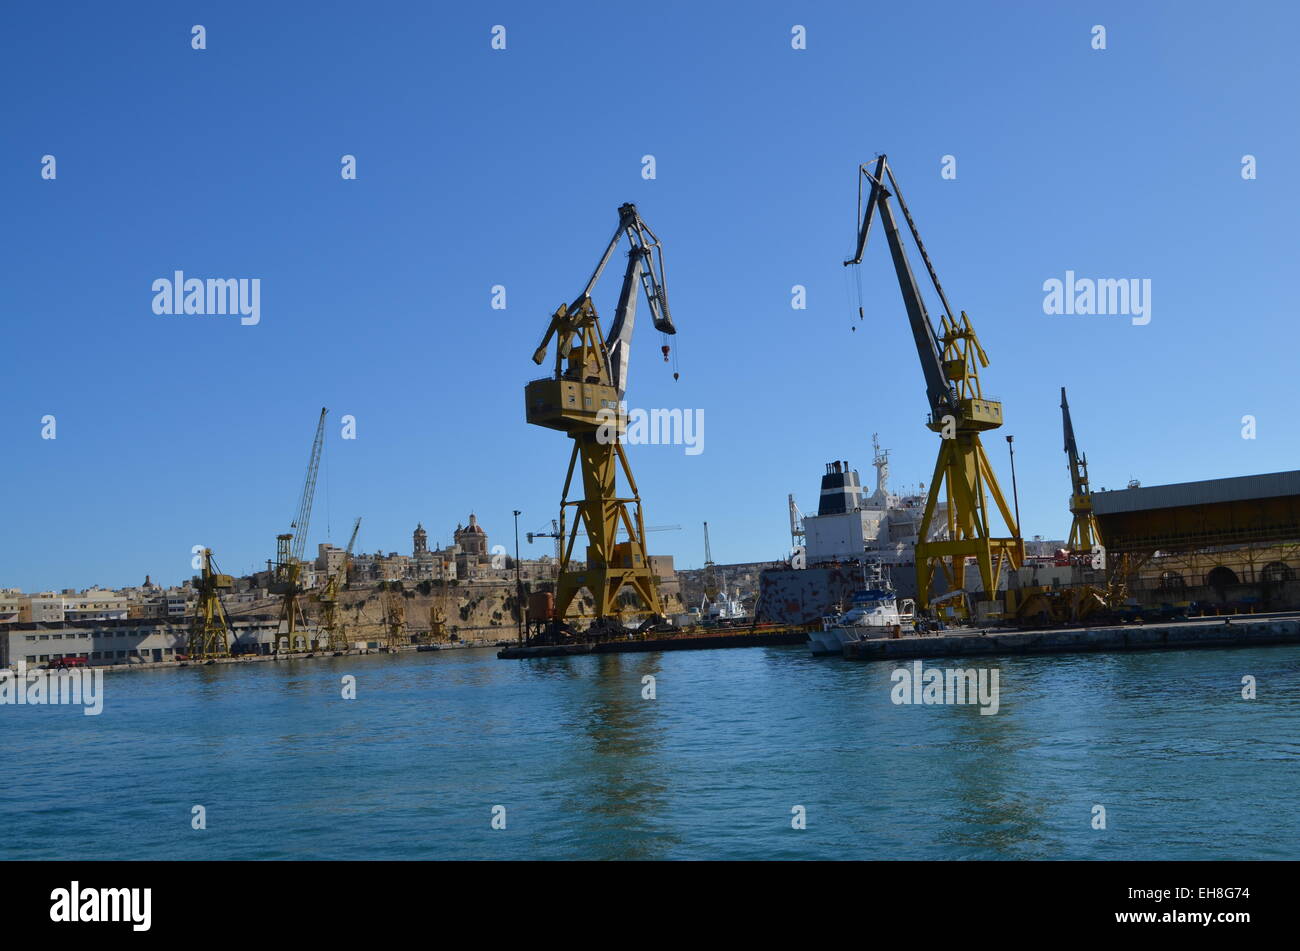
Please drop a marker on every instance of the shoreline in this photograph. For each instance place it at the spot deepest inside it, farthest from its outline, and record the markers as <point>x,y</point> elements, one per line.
<point>267,658</point>
<point>1174,635</point>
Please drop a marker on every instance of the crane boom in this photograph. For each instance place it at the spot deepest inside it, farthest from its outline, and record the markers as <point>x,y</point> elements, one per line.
<point>1071,448</point>
<point>710,570</point>
<point>645,266</point>
<point>796,520</point>
<point>1083,529</point>
<point>303,519</point>
<point>927,345</point>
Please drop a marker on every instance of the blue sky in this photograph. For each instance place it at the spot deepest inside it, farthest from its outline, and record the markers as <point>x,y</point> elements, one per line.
<point>479,167</point>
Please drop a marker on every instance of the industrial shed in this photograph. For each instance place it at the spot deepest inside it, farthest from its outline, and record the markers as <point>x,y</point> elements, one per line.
<point>1218,540</point>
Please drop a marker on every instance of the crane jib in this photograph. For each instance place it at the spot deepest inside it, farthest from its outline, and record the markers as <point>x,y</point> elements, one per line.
<point>303,519</point>
<point>937,389</point>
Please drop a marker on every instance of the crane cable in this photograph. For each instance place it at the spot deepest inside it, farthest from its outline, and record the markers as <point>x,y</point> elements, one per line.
<point>849,291</point>
<point>666,351</point>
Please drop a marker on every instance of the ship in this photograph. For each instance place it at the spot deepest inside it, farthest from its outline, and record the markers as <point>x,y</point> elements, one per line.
<point>875,611</point>
<point>725,607</point>
<point>850,531</point>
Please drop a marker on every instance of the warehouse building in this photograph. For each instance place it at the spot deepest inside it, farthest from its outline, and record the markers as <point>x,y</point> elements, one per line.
<point>117,641</point>
<point>1225,542</point>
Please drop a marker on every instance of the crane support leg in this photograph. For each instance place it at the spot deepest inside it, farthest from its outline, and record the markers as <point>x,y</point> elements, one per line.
<point>293,619</point>
<point>611,565</point>
<point>962,472</point>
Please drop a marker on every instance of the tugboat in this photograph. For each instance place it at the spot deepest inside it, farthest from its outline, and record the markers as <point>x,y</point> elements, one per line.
<point>722,609</point>
<point>874,612</point>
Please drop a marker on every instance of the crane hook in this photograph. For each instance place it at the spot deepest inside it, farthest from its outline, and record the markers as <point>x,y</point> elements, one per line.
<point>665,348</point>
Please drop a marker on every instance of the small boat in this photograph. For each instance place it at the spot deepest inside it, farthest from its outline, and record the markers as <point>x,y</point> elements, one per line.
<point>873,612</point>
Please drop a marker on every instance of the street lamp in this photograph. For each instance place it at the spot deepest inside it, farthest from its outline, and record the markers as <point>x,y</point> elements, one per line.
<point>519,585</point>
<point>1011,448</point>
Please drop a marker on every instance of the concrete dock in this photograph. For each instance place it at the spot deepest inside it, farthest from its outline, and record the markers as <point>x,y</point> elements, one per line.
<point>1235,631</point>
<point>675,642</point>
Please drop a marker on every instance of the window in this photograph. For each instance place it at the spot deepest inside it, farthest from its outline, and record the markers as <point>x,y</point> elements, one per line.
<point>1220,579</point>
<point>1171,581</point>
<point>1277,572</point>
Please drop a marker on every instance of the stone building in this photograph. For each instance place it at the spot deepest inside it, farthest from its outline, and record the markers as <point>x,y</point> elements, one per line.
<point>473,560</point>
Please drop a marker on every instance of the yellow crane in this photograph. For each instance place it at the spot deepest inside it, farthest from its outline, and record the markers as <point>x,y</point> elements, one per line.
<point>438,631</point>
<point>289,549</point>
<point>585,399</point>
<point>950,361</point>
<point>210,633</point>
<point>331,626</point>
<point>1043,605</point>
<point>1083,530</point>
<point>394,604</point>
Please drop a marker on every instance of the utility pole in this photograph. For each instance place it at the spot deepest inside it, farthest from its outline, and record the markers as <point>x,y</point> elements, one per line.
<point>519,585</point>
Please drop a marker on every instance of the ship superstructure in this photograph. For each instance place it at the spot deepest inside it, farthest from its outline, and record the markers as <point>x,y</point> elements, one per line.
<point>850,530</point>
<point>853,527</point>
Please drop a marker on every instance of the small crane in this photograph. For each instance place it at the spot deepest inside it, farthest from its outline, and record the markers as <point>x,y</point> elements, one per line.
<point>289,550</point>
<point>210,626</point>
<point>1083,530</point>
<point>330,625</point>
<point>796,522</point>
<point>710,570</point>
<point>394,604</point>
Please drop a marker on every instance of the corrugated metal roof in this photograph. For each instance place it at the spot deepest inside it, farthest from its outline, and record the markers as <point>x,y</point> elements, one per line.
<point>1237,489</point>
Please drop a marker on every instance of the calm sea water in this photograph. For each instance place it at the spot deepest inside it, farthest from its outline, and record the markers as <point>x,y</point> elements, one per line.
<point>586,768</point>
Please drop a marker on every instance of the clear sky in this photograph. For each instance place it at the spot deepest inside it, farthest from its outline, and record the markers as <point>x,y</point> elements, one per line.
<point>478,167</point>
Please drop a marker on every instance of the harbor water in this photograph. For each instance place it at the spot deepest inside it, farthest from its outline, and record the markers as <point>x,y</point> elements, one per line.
<point>585,765</point>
